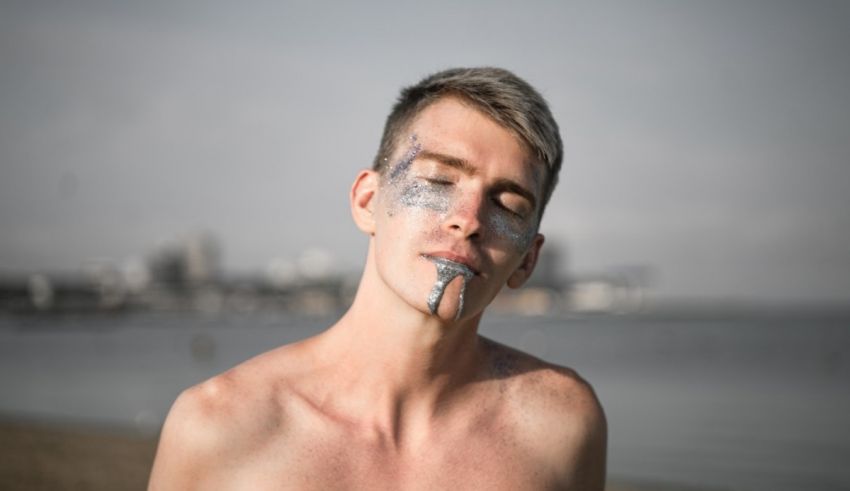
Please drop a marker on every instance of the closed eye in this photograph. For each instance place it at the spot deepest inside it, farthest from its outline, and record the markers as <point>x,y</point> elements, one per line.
<point>509,210</point>
<point>513,204</point>
<point>438,181</point>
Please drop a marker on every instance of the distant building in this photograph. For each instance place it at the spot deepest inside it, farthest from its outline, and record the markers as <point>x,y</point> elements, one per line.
<point>607,293</point>
<point>203,256</point>
<point>189,262</point>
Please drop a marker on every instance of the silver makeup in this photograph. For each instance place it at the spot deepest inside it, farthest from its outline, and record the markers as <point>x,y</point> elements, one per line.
<point>447,271</point>
<point>518,234</point>
<point>418,193</point>
<point>413,193</point>
<point>400,169</point>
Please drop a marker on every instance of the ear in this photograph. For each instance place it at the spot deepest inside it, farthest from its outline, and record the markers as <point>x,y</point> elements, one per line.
<point>529,261</point>
<point>362,199</point>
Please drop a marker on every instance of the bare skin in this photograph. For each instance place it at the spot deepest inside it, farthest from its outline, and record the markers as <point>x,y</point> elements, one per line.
<point>392,396</point>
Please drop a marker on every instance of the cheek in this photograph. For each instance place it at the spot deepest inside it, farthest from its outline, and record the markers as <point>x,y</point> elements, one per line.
<point>417,195</point>
<point>402,224</point>
<point>505,228</point>
<point>415,206</point>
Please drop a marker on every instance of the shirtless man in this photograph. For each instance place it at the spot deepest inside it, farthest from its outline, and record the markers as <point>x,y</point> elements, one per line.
<point>402,393</point>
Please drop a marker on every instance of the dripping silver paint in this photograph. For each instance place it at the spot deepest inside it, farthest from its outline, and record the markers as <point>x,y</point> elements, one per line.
<point>447,271</point>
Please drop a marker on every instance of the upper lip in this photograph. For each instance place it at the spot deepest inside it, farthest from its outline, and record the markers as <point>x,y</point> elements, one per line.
<point>466,260</point>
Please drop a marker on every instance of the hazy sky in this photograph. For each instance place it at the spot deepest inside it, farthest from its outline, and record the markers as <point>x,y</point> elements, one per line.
<point>710,140</point>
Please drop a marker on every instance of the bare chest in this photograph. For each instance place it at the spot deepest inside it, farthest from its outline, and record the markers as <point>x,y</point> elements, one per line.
<point>325,461</point>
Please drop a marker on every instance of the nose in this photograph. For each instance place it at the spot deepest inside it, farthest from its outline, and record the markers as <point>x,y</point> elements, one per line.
<point>464,218</point>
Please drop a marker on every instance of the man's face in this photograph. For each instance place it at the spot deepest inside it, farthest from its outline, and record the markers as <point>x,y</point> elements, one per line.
<point>464,189</point>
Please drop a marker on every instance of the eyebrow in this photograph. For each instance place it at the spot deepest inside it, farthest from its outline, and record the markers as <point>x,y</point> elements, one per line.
<point>455,162</point>
<point>462,165</point>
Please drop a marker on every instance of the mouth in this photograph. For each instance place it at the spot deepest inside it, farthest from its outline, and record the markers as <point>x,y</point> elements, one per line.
<point>467,262</point>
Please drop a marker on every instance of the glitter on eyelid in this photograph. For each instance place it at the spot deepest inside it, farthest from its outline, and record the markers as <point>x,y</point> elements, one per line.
<point>414,193</point>
<point>417,193</point>
<point>425,195</point>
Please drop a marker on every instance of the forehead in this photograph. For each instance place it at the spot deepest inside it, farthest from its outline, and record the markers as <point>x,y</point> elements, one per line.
<point>455,127</point>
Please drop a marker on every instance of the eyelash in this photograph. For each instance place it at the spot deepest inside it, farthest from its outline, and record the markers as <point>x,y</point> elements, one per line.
<point>442,182</point>
<point>512,212</point>
<point>438,181</point>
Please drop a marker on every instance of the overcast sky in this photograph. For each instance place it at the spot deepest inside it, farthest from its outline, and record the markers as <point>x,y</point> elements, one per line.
<point>709,140</point>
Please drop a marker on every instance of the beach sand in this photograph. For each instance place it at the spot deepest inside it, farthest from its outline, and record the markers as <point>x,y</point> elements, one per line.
<point>38,456</point>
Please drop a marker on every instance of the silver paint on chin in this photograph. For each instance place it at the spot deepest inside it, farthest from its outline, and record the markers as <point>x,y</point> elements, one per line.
<point>447,271</point>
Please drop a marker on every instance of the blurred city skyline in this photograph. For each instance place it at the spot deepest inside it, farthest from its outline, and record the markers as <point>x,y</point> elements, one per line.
<point>708,141</point>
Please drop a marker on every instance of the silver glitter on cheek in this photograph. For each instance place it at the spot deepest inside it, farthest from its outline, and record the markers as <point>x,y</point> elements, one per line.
<point>508,228</point>
<point>446,272</point>
<point>424,195</point>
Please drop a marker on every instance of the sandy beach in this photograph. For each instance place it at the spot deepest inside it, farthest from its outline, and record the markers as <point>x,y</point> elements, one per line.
<point>39,456</point>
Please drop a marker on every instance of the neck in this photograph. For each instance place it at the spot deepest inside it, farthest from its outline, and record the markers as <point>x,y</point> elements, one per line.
<point>404,364</point>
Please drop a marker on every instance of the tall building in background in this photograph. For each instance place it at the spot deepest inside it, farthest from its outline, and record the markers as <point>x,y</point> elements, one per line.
<point>188,262</point>
<point>203,256</point>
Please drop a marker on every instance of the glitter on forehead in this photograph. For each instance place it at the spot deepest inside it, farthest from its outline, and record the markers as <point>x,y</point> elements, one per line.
<point>447,271</point>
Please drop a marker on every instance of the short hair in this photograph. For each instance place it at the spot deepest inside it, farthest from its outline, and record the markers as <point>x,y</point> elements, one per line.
<point>507,99</point>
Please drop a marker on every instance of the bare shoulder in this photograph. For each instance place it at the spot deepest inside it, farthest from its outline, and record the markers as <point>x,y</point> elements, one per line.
<point>220,421</point>
<point>555,414</point>
<point>547,385</point>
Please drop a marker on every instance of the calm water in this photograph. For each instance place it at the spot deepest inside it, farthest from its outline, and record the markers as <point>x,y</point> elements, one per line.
<point>741,404</point>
